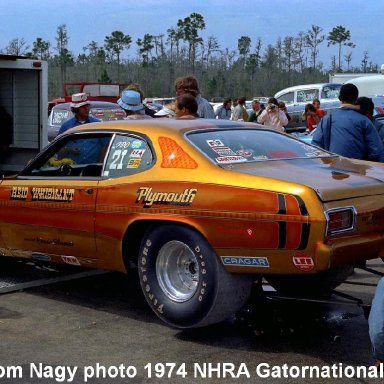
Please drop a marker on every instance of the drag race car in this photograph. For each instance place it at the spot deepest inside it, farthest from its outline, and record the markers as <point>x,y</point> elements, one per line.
<point>200,208</point>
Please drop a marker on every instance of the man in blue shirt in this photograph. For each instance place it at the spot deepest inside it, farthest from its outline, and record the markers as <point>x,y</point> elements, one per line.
<point>80,108</point>
<point>347,132</point>
<point>83,151</point>
<point>189,85</point>
<point>376,323</point>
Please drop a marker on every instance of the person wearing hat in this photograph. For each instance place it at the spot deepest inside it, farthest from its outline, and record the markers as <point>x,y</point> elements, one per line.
<point>80,109</point>
<point>82,151</point>
<point>136,87</point>
<point>130,101</point>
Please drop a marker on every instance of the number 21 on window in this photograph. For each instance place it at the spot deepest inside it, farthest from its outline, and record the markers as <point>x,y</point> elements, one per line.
<point>118,159</point>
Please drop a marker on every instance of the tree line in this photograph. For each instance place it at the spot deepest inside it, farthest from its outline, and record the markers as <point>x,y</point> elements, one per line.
<point>251,70</point>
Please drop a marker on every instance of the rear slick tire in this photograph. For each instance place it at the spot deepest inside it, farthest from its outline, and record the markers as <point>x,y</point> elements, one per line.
<point>184,281</point>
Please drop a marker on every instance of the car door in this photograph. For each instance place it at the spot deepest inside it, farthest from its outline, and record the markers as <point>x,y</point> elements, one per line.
<point>129,158</point>
<point>48,210</point>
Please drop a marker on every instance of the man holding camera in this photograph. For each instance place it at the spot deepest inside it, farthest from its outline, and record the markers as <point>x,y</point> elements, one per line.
<point>273,117</point>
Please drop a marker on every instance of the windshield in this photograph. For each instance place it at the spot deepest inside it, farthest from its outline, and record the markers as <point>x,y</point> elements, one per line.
<point>228,146</point>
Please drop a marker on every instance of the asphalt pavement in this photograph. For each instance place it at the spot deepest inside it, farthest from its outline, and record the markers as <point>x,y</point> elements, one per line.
<point>97,328</point>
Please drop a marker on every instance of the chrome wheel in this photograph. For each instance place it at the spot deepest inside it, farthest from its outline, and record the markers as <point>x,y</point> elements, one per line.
<point>177,271</point>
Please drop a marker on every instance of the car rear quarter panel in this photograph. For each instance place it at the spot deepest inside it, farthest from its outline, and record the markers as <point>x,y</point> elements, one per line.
<point>366,241</point>
<point>236,220</point>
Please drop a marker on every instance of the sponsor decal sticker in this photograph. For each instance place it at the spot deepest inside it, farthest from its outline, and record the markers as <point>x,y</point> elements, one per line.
<point>282,154</point>
<point>303,262</point>
<point>137,153</point>
<point>57,241</point>
<point>261,157</point>
<point>136,144</point>
<point>230,159</point>
<point>122,144</point>
<point>243,261</point>
<point>72,260</point>
<point>148,197</point>
<point>224,151</point>
<point>134,163</point>
<point>245,152</point>
<point>40,256</point>
<point>215,143</point>
<point>235,231</point>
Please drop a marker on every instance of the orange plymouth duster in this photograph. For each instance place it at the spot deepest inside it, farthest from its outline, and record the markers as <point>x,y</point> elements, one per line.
<point>200,209</point>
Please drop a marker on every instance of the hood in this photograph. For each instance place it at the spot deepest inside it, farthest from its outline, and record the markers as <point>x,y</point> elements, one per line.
<point>332,178</point>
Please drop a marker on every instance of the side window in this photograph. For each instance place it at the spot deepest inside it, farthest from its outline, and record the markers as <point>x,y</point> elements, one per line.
<point>128,155</point>
<point>287,97</point>
<point>331,91</point>
<point>307,95</point>
<point>78,155</point>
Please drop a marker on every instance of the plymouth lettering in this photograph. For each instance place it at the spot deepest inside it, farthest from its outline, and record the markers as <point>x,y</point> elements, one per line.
<point>148,197</point>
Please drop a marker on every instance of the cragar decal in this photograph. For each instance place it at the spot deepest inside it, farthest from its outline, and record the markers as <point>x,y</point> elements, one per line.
<point>243,261</point>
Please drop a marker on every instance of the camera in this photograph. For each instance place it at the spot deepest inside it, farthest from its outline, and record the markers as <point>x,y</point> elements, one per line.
<point>271,106</point>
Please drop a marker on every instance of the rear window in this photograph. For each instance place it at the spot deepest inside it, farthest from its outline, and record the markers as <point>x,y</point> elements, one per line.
<point>108,114</point>
<point>59,116</point>
<point>331,91</point>
<point>228,146</point>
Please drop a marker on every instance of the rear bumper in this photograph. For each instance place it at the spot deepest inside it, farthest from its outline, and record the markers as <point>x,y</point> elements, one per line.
<point>353,250</point>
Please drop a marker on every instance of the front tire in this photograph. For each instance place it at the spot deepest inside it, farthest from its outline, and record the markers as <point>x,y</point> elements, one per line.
<point>183,280</point>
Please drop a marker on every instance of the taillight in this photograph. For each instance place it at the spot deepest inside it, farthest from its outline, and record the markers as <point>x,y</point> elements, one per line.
<point>340,220</point>
<point>98,114</point>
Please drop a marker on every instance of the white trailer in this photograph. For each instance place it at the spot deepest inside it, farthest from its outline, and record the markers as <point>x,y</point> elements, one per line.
<point>347,77</point>
<point>24,95</point>
<point>370,86</point>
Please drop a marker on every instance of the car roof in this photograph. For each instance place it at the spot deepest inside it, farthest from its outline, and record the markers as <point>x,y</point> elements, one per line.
<point>165,126</point>
<point>93,103</point>
<point>305,86</point>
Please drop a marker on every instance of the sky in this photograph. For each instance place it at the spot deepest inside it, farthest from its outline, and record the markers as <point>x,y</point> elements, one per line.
<point>227,20</point>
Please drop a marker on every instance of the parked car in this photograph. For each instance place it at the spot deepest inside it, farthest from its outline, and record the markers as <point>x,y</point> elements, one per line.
<point>200,208</point>
<point>295,99</point>
<point>102,110</point>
